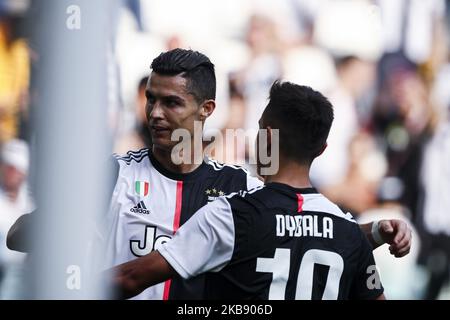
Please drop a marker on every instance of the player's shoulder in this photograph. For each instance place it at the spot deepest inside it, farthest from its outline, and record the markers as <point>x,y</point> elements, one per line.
<point>317,202</point>
<point>345,225</point>
<point>247,194</point>
<point>246,199</point>
<point>224,168</point>
<point>132,157</point>
<point>233,172</point>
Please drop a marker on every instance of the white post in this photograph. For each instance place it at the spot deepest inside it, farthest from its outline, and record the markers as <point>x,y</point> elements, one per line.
<point>71,144</point>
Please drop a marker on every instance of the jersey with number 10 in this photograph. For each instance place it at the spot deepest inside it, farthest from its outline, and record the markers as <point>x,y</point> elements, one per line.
<point>276,242</point>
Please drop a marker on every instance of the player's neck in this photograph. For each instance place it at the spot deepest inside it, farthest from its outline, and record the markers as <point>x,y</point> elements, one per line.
<point>291,173</point>
<point>164,157</point>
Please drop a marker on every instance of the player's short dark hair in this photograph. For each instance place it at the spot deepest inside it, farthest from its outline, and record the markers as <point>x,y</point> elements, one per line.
<point>303,117</point>
<point>194,66</point>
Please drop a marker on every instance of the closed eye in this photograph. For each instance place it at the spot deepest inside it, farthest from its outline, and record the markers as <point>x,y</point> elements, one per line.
<point>150,98</point>
<point>172,101</point>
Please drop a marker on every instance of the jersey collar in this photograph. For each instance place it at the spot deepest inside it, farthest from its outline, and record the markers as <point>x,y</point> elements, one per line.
<point>286,187</point>
<point>174,175</point>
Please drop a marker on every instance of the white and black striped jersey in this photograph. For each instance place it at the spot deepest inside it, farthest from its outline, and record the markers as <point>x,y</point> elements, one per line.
<point>275,242</point>
<point>149,203</point>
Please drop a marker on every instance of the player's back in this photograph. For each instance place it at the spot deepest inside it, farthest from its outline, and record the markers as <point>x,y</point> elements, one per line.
<point>294,244</point>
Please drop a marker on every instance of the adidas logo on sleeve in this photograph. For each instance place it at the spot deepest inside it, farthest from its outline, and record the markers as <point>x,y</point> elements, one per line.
<point>140,208</point>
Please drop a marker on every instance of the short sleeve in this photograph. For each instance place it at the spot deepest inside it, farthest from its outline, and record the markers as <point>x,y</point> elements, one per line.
<point>204,243</point>
<point>367,283</point>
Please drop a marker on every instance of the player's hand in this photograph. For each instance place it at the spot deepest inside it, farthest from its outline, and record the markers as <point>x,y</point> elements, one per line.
<point>397,234</point>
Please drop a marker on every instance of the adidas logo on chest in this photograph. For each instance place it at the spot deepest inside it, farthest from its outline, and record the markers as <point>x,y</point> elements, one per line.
<point>140,208</point>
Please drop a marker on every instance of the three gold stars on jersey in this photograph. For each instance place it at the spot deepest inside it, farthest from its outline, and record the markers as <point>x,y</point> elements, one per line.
<point>213,194</point>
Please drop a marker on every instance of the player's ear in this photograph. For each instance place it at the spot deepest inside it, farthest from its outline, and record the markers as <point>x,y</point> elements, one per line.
<point>206,109</point>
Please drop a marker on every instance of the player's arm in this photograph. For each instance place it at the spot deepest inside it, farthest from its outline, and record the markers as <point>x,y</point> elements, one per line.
<point>394,232</point>
<point>133,277</point>
<point>366,282</point>
<point>204,243</point>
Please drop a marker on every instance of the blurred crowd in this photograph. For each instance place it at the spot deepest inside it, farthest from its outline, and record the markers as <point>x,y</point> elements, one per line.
<point>384,65</point>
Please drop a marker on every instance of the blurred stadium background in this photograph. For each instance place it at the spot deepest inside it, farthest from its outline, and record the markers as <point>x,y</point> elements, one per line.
<point>384,64</point>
